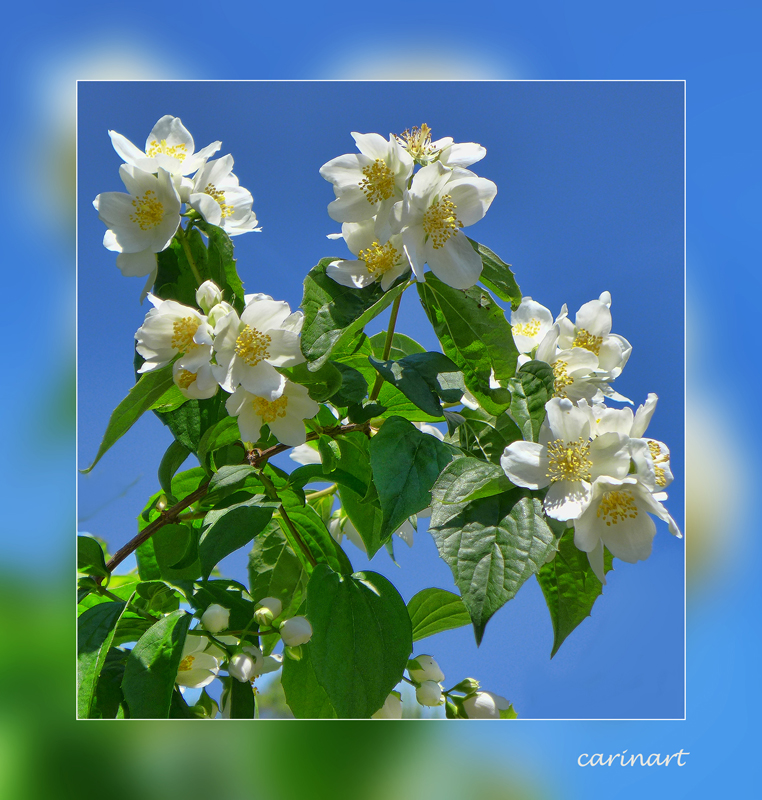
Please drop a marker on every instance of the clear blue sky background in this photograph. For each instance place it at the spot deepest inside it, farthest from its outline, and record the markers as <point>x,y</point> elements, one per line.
<point>590,198</point>
<point>716,48</point>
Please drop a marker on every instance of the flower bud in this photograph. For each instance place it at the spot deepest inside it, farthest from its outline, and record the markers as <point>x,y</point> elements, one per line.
<point>391,709</point>
<point>208,295</point>
<point>246,664</point>
<point>215,618</point>
<point>429,693</point>
<point>295,631</point>
<point>267,609</point>
<point>218,312</point>
<point>294,653</point>
<point>467,686</point>
<point>485,705</point>
<point>424,668</point>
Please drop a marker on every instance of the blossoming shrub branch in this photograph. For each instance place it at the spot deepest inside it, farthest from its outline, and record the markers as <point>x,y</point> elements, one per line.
<point>504,439</point>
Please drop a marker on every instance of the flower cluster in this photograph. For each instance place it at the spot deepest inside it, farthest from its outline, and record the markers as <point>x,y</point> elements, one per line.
<point>209,649</point>
<point>215,347</point>
<point>159,180</point>
<point>394,219</point>
<point>601,473</point>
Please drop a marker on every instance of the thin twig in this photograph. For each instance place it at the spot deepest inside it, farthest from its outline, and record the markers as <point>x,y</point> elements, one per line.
<point>387,345</point>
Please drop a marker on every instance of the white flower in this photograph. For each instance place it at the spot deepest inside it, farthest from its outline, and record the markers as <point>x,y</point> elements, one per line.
<point>376,261</point>
<point>198,383</point>
<point>617,517</point>
<point>246,665</point>
<point>171,328</point>
<point>575,370</point>
<point>285,415</point>
<point>295,631</point>
<point>268,608</point>
<point>169,146</point>
<point>250,347</point>
<point>340,526</point>
<point>196,668</point>
<point>429,693</point>
<point>485,705</point>
<point>591,330</point>
<point>305,454</point>
<point>218,197</point>
<point>368,184</point>
<point>566,459</point>
<point>208,295</point>
<point>391,709</point>
<point>418,143</point>
<point>530,322</point>
<point>424,668</point>
<point>216,618</point>
<point>140,223</point>
<point>439,203</point>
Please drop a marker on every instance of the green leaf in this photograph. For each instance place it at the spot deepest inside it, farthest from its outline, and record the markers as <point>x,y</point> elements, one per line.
<point>466,479</point>
<point>532,387</point>
<point>435,610</point>
<point>305,696</point>
<point>239,697</point>
<point>90,558</point>
<point>220,265</point>
<point>402,345</point>
<point>333,313</point>
<point>222,434</point>
<point>362,637</point>
<point>405,464</point>
<point>492,546</point>
<point>151,669</point>
<point>229,529</point>
<point>158,597</point>
<point>397,405</point>
<point>486,436</point>
<point>315,535</point>
<point>108,691</point>
<point>475,334</point>
<point>321,383</point>
<point>424,378</point>
<point>174,279</point>
<point>276,571</point>
<point>170,554</point>
<point>497,275</point>
<point>570,587</point>
<point>317,473</point>
<point>95,632</point>
<point>354,386</point>
<point>174,457</point>
<point>143,394</point>
<point>190,421</point>
<point>329,452</point>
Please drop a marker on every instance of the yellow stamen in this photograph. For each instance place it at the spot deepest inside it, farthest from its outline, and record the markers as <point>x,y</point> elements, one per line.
<point>252,346</point>
<point>186,664</point>
<point>185,378</point>
<point>568,461</point>
<point>658,457</point>
<point>177,151</point>
<point>531,328</point>
<point>440,222</point>
<point>270,410</point>
<point>219,196</point>
<point>378,183</point>
<point>562,378</point>
<point>149,212</point>
<point>183,331</point>
<point>588,341</point>
<point>616,507</point>
<point>379,258</point>
<point>418,143</point>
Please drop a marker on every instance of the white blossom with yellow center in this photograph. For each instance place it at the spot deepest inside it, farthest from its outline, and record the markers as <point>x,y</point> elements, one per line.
<point>171,328</point>
<point>285,414</point>
<point>566,459</point>
<point>417,142</point>
<point>368,184</point>
<point>617,517</point>
<point>376,262</point>
<point>169,146</point>
<point>196,668</point>
<point>218,197</point>
<point>530,322</point>
<point>438,205</point>
<point>249,347</point>
<point>140,223</point>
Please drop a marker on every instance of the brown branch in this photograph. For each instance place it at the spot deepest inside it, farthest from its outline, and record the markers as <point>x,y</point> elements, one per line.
<point>256,458</point>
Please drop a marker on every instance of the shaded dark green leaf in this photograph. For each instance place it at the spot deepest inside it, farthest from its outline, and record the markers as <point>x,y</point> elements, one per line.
<point>486,436</point>
<point>532,387</point>
<point>497,275</point>
<point>90,557</point>
<point>174,457</point>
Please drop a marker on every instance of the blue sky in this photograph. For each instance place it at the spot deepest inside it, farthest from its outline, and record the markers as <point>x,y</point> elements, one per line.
<point>590,198</point>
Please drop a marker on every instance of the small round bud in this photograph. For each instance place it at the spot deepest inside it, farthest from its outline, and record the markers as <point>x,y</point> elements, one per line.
<point>424,668</point>
<point>161,503</point>
<point>295,631</point>
<point>267,609</point>
<point>294,653</point>
<point>216,313</point>
<point>485,705</point>
<point>391,709</point>
<point>429,693</point>
<point>246,664</point>
<point>208,295</point>
<point>467,686</point>
<point>215,618</point>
